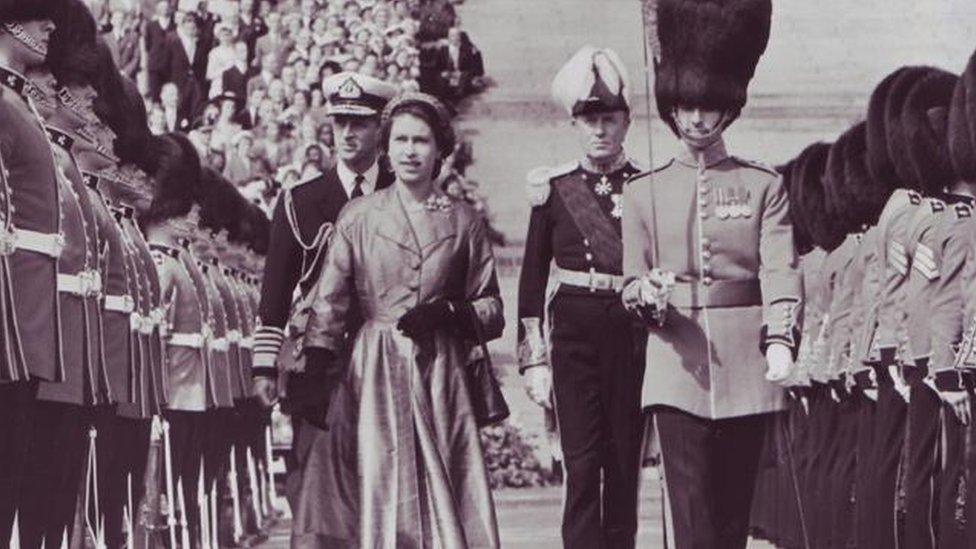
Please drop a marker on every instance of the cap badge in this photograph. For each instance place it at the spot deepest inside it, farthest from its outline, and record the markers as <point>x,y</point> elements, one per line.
<point>350,90</point>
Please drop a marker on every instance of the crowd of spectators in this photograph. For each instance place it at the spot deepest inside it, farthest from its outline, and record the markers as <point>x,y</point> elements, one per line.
<point>243,78</point>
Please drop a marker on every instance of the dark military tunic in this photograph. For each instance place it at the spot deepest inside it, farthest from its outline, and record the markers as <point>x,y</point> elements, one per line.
<point>34,190</point>
<point>302,217</point>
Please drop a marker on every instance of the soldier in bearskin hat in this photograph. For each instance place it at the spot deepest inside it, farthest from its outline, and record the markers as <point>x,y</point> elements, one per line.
<point>32,243</point>
<point>724,295</point>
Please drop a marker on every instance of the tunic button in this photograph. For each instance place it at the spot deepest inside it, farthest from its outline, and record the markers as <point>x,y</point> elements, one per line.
<point>706,254</point>
<point>586,242</point>
<point>702,190</point>
<point>707,281</point>
<point>589,256</point>
<point>703,214</point>
<point>415,265</point>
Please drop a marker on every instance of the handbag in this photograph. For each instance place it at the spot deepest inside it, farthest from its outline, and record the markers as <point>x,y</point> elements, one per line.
<point>487,400</point>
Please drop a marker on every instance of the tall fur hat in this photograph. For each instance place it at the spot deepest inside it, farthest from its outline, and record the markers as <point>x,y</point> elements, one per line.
<point>809,171</point>
<point>72,54</point>
<point>802,240</point>
<point>18,11</point>
<point>176,178</point>
<point>224,208</point>
<point>854,196</point>
<point>895,134</point>
<point>962,124</point>
<point>925,118</point>
<point>879,161</point>
<point>709,53</point>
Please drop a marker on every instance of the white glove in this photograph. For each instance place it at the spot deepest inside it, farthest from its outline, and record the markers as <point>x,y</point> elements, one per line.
<point>538,385</point>
<point>780,367</point>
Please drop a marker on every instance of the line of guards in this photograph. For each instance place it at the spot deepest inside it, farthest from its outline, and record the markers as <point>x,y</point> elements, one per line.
<point>128,291</point>
<point>876,449</point>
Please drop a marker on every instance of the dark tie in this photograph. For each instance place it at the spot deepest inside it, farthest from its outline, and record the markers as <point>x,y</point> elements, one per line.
<point>357,189</point>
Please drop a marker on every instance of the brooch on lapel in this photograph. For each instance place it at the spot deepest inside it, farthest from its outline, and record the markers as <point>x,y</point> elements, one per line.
<point>438,203</point>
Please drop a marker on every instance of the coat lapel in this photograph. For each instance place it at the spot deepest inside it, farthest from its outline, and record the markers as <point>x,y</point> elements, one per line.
<point>393,225</point>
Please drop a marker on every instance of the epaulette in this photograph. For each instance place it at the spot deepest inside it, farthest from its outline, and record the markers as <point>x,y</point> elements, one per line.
<point>538,181</point>
<point>165,250</point>
<point>963,210</point>
<point>754,164</point>
<point>937,205</point>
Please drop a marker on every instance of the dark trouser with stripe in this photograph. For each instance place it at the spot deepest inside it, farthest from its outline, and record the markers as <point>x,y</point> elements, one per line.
<point>923,465</point>
<point>864,508</point>
<point>841,476</point>
<point>597,375</point>
<point>56,459</point>
<point>889,436</point>
<point>823,457</point>
<point>970,464</point>
<point>188,433</point>
<point>953,483</point>
<point>15,404</point>
<point>123,448</point>
<point>710,471</point>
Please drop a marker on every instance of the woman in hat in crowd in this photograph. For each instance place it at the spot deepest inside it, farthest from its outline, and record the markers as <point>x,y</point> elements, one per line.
<point>406,465</point>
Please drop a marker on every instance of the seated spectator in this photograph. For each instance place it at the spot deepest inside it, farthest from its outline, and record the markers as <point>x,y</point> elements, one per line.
<point>461,66</point>
<point>176,116</point>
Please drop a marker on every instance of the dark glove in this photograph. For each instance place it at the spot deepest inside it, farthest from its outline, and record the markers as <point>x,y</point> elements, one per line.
<point>424,319</point>
<point>310,392</point>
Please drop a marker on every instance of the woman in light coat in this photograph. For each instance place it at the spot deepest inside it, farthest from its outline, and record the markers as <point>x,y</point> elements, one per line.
<point>408,283</point>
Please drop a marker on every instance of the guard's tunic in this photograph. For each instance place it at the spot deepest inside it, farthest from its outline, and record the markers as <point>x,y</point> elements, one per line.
<point>12,365</point>
<point>221,279</point>
<point>724,230</point>
<point>34,197</point>
<point>219,371</point>
<point>595,357</point>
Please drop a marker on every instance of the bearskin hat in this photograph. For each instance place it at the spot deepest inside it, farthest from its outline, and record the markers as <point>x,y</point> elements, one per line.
<point>835,186</point>
<point>709,53</point>
<point>962,123</point>
<point>879,161</point>
<point>17,11</point>
<point>71,54</point>
<point>924,119</point>
<point>221,205</point>
<point>801,236</point>
<point>809,171</point>
<point>895,137</point>
<point>176,177</point>
<point>854,196</point>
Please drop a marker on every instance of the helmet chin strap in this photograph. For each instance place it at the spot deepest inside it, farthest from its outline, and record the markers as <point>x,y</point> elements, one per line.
<point>21,35</point>
<point>702,141</point>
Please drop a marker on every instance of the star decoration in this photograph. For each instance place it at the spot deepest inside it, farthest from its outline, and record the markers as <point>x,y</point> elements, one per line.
<point>618,206</point>
<point>603,188</point>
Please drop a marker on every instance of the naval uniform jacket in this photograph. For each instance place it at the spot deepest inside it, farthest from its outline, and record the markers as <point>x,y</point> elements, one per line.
<point>726,234</point>
<point>302,218</point>
<point>34,197</point>
<point>575,221</point>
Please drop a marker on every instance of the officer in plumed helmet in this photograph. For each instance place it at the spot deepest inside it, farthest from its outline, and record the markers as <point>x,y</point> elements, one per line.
<point>712,270</point>
<point>591,363</point>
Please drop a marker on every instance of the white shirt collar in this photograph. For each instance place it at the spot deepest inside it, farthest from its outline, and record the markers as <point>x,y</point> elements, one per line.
<point>348,178</point>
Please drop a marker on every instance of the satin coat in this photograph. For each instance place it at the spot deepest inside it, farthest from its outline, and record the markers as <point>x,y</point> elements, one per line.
<point>401,464</point>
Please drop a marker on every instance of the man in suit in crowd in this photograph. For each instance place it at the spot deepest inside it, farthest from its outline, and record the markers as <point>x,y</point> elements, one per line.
<point>234,79</point>
<point>460,63</point>
<point>155,34</point>
<point>186,54</point>
<point>126,38</point>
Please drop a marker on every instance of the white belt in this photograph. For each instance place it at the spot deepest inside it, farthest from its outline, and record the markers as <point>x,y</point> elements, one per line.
<point>194,341</point>
<point>84,284</point>
<point>592,280</point>
<point>247,342</point>
<point>135,321</point>
<point>220,344</point>
<point>119,303</point>
<point>32,241</point>
<point>234,336</point>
